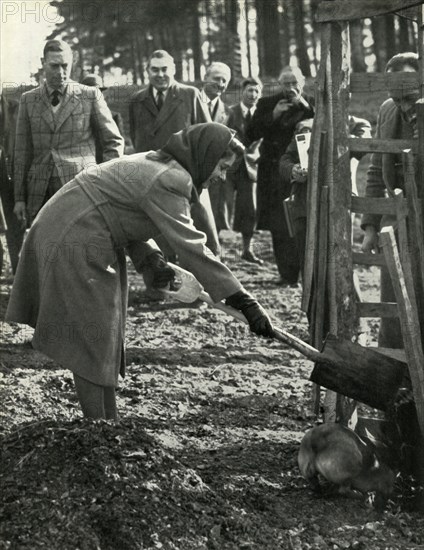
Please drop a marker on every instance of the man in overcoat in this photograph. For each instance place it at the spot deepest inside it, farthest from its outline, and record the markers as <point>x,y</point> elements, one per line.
<point>275,120</point>
<point>161,109</point>
<point>55,132</point>
<point>242,177</point>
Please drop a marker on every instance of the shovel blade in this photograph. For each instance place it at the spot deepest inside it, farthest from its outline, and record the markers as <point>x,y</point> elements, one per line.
<point>360,373</point>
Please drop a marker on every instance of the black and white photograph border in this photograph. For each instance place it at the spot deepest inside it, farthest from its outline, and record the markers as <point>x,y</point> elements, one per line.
<point>307,438</point>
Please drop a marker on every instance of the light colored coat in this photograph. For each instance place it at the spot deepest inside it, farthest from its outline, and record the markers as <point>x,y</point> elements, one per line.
<point>60,143</point>
<point>71,281</point>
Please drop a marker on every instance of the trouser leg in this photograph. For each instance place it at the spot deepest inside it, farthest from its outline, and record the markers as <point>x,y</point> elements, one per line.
<point>111,411</point>
<point>299,228</point>
<point>286,256</point>
<point>247,241</point>
<point>91,398</point>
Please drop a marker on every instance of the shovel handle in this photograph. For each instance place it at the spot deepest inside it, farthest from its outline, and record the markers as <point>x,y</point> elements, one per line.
<point>280,334</point>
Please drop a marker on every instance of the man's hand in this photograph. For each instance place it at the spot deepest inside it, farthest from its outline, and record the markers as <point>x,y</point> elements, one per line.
<point>21,213</point>
<point>158,273</point>
<point>299,174</point>
<point>282,106</point>
<point>370,242</point>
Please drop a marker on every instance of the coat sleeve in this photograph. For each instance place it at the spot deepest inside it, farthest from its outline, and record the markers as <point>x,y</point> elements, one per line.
<point>200,112</point>
<point>23,151</point>
<point>131,113</point>
<point>138,251</point>
<point>287,161</point>
<point>103,123</point>
<point>167,203</point>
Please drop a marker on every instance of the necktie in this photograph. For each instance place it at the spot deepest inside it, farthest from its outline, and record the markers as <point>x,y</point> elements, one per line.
<point>55,98</point>
<point>248,117</point>
<point>159,100</point>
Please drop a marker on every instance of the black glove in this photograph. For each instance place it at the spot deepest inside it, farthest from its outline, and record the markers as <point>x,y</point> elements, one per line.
<point>158,273</point>
<point>255,314</point>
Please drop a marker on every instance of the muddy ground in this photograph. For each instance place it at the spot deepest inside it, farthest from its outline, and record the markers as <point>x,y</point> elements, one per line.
<point>205,455</point>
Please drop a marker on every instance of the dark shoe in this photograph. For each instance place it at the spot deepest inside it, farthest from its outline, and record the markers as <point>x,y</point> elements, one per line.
<point>248,256</point>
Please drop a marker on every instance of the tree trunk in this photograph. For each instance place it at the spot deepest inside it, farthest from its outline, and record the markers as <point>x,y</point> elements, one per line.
<point>301,50</point>
<point>267,17</point>
<point>404,44</point>
<point>379,35</point>
<point>389,21</point>
<point>247,35</point>
<point>134,59</point>
<point>357,46</point>
<point>233,54</point>
<point>197,45</point>
<point>285,33</point>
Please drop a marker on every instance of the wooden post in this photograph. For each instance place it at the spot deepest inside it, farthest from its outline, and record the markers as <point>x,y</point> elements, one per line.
<point>320,314</point>
<point>315,175</point>
<point>343,302</point>
<point>409,320</point>
<point>416,232</point>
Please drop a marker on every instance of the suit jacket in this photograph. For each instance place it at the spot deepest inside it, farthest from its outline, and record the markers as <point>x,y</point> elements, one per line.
<point>60,143</point>
<point>150,129</point>
<point>237,122</point>
<point>221,112</point>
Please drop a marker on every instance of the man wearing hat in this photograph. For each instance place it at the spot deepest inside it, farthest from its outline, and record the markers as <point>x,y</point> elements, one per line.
<point>55,134</point>
<point>96,81</point>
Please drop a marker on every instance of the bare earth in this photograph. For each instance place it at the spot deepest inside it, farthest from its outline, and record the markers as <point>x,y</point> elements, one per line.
<point>205,455</point>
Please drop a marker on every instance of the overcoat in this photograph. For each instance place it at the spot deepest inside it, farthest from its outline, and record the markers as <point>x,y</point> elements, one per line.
<point>71,282</point>
<point>150,129</point>
<point>276,135</point>
<point>243,175</point>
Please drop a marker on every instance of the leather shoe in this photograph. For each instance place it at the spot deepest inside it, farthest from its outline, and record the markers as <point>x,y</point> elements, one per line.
<point>250,257</point>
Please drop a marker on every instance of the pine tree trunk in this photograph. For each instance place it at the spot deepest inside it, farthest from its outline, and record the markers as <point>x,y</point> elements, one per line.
<point>390,35</point>
<point>357,46</point>
<point>285,34</point>
<point>267,17</point>
<point>379,35</point>
<point>404,44</point>
<point>301,50</point>
<point>197,46</point>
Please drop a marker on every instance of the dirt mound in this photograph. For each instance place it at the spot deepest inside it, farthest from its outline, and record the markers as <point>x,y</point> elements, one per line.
<point>94,485</point>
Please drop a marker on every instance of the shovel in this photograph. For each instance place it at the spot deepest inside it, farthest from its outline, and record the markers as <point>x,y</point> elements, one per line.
<point>342,366</point>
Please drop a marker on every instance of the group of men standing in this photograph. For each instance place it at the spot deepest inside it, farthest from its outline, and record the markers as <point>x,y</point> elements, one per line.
<point>64,127</point>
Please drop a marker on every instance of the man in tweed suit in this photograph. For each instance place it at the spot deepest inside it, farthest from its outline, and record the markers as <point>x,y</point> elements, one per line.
<point>55,132</point>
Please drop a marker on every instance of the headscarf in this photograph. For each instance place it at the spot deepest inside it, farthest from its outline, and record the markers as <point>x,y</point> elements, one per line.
<point>199,148</point>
